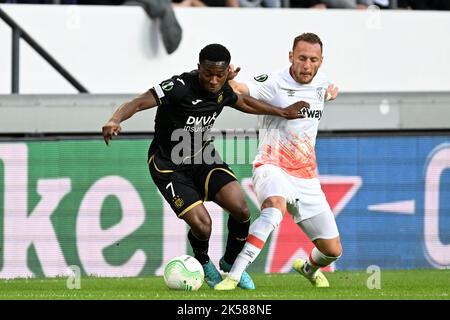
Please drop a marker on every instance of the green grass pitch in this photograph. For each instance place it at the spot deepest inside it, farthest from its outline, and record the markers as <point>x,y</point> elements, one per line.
<point>398,284</point>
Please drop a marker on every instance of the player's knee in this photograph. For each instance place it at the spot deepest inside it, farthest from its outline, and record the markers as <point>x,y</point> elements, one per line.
<point>272,216</point>
<point>334,251</point>
<point>275,202</point>
<point>243,213</point>
<point>202,229</point>
<point>240,212</point>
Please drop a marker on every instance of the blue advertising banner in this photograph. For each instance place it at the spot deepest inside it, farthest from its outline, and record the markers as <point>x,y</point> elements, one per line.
<point>399,216</point>
<point>78,202</point>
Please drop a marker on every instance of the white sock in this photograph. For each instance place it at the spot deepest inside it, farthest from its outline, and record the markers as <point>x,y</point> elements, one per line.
<point>317,260</point>
<point>259,231</point>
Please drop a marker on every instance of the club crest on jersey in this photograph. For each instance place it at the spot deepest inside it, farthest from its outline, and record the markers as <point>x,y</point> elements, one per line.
<point>261,78</point>
<point>321,93</point>
<point>178,202</point>
<point>220,98</point>
<point>167,85</point>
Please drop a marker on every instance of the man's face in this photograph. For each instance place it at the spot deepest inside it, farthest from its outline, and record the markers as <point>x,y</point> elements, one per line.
<point>305,61</point>
<point>212,75</point>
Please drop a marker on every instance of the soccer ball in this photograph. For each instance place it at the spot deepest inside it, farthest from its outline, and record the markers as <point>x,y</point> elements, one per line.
<point>184,273</point>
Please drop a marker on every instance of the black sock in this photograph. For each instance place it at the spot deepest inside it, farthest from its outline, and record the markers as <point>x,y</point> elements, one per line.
<point>237,234</point>
<point>200,248</point>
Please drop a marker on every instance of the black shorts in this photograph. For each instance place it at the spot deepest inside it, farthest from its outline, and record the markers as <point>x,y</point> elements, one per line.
<point>184,189</point>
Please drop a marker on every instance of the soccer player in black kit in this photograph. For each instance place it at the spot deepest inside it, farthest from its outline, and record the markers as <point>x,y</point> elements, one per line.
<point>180,154</point>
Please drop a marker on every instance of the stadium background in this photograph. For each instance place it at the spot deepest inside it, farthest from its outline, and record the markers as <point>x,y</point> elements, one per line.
<point>383,149</point>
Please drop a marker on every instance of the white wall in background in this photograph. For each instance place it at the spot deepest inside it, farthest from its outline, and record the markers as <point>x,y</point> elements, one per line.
<point>118,49</point>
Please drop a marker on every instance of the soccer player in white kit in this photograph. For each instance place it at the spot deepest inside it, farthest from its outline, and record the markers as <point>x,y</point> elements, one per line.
<point>284,170</point>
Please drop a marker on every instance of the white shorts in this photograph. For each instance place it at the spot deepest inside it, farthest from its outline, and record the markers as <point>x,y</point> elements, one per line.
<point>305,200</point>
<point>304,197</point>
<point>321,226</point>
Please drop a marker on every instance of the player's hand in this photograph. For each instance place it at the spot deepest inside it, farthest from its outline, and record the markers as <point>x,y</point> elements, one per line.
<point>296,110</point>
<point>332,92</point>
<point>110,129</point>
<point>232,72</point>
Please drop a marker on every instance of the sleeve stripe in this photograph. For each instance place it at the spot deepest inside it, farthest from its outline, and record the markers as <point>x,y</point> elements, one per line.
<point>159,91</point>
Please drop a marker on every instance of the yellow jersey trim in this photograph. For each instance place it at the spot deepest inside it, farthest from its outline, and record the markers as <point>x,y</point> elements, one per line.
<point>190,207</point>
<point>156,167</point>
<point>209,176</point>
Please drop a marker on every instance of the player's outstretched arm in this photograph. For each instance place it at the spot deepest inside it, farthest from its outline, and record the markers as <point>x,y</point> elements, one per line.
<point>251,105</point>
<point>239,87</point>
<point>126,111</point>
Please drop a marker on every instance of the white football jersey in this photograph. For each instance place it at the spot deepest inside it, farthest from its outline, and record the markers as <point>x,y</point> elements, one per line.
<point>289,144</point>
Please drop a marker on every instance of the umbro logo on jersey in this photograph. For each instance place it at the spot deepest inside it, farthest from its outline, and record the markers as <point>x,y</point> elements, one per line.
<point>196,101</point>
<point>290,92</point>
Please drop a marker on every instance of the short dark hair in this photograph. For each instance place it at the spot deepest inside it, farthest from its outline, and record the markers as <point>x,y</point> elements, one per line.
<point>215,52</point>
<point>308,37</point>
